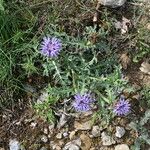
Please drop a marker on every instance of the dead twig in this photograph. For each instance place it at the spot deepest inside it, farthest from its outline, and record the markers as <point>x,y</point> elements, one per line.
<point>95,18</point>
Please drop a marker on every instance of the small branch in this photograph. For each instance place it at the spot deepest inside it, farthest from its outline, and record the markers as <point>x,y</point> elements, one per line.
<point>96,13</point>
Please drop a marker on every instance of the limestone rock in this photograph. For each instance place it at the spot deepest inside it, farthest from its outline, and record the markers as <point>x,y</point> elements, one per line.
<point>44,138</point>
<point>59,136</point>
<point>96,131</point>
<point>72,135</point>
<point>112,3</point>
<point>87,142</point>
<point>43,148</point>
<point>45,131</point>
<point>82,126</point>
<point>145,68</point>
<point>120,131</point>
<point>122,147</point>
<point>14,144</point>
<point>107,140</point>
<point>73,145</point>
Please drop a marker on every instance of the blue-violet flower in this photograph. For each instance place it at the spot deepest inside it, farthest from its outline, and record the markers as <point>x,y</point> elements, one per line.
<point>122,107</point>
<point>83,102</point>
<point>51,46</point>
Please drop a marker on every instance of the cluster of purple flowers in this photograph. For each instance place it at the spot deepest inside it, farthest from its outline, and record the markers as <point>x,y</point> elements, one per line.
<point>83,102</point>
<point>51,46</point>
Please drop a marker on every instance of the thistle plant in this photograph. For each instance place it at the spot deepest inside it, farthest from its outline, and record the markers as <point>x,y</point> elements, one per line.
<point>143,133</point>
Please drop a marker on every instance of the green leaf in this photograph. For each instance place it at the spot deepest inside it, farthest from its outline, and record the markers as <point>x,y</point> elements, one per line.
<point>1,5</point>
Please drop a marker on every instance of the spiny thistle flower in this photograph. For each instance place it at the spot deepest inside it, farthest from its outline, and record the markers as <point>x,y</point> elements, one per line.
<point>122,107</point>
<point>83,102</point>
<point>51,46</point>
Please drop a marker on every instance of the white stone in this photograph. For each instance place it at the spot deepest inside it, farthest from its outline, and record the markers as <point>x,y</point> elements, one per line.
<point>71,147</point>
<point>43,148</point>
<point>77,142</point>
<point>107,140</point>
<point>14,144</point>
<point>45,131</point>
<point>120,131</point>
<point>96,131</point>
<point>112,3</point>
<point>44,138</point>
<point>72,135</point>
<point>83,125</point>
<point>59,136</point>
<point>122,147</point>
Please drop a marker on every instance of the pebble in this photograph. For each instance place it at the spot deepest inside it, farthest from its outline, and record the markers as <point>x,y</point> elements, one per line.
<point>82,126</point>
<point>51,127</point>
<point>43,148</point>
<point>77,142</point>
<point>92,148</point>
<point>72,135</point>
<point>87,142</point>
<point>122,147</point>
<point>33,124</point>
<point>96,131</point>
<point>60,143</point>
<point>49,135</point>
<point>120,131</point>
<point>14,144</point>
<point>45,131</point>
<point>148,26</point>
<point>71,147</point>
<point>59,136</point>
<point>112,3</point>
<point>44,138</point>
<point>57,148</point>
<point>107,140</point>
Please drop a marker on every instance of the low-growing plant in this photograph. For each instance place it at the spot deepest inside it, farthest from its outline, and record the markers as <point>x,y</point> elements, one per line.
<point>142,131</point>
<point>81,65</point>
<point>16,26</point>
<point>145,96</point>
<point>141,39</point>
<point>44,111</point>
<point>112,86</point>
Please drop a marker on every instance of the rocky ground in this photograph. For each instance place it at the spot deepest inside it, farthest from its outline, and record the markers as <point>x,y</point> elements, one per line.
<point>25,130</point>
<point>22,129</point>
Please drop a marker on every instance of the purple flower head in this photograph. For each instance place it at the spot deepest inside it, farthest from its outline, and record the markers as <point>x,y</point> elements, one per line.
<point>83,102</point>
<point>51,46</point>
<point>122,107</point>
